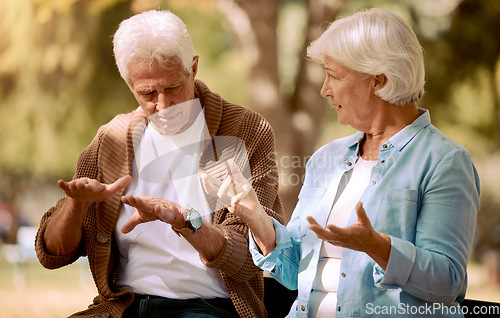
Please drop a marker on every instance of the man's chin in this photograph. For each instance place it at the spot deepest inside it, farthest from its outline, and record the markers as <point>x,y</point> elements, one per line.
<point>166,130</point>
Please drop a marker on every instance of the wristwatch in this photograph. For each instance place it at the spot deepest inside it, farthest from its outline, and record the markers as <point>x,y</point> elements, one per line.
<point>193,222</point>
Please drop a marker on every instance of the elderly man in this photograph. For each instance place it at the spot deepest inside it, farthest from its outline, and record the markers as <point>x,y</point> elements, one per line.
<point>157,244</point>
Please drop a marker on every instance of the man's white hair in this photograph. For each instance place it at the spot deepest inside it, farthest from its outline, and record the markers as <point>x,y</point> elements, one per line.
<point>152,36</point>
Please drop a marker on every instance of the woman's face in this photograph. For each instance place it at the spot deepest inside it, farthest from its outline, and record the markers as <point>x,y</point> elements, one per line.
<point>352,93</point>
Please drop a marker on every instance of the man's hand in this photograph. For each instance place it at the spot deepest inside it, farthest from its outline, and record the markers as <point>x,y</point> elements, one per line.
<point>64,231</point>
<point>91,190</point>
<point>151,209</point>
<point>360,236</point>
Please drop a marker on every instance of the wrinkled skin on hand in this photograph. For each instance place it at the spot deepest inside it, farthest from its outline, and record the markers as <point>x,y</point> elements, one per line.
<point>91,190</point>
<point>150,209</point>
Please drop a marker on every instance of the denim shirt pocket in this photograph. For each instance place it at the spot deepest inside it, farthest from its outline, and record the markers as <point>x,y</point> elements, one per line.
<point>398,213</point>
<point>309,198</point>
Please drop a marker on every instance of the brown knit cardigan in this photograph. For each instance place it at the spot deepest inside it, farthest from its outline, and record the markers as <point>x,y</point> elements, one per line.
<point>110,156</point>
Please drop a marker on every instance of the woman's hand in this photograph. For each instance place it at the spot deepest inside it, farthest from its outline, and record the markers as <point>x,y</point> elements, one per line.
<point>235,192</point>
<point>360,236</point>
<point>240,199</point>
<point>151,209</point>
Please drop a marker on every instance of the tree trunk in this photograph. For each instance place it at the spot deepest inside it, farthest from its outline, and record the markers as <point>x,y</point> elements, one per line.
<point>295,119</point>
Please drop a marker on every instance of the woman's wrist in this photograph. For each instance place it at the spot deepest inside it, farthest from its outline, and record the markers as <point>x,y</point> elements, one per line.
<point>263,232</point>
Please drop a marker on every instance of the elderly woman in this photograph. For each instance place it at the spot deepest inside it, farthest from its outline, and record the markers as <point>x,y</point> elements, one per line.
<point>385,219</point>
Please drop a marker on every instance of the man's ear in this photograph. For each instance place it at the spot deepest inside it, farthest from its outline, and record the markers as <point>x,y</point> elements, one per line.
<point>194,68</point>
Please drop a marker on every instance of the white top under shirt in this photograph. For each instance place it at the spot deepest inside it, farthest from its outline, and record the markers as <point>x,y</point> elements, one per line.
<point>323,301</point>
<point>153,259</point>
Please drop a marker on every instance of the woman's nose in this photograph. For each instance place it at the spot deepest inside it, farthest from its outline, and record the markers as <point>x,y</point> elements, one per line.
<point>325,90</point>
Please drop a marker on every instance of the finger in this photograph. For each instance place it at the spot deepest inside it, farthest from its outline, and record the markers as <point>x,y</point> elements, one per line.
<point>325,233</point>
<point>134,220</point>
<point>210,184</point>
<point>127,199</point>
<point>362,217</point>
<point>235,200</point>
<point>77,185</point>
<point>311,220</point>
<point>141,203</point>
<point>238,178</point>
<point>119,184</point>
<point>94,186</point>
<point>314,226</point>
<point>225,192</point>
<point>63,185</point>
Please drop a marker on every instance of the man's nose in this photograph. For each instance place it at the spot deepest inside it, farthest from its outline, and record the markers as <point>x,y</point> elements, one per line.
<point>163,102</point>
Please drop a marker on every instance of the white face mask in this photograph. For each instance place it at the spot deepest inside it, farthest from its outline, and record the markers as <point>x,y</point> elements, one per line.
<point>175,119</point>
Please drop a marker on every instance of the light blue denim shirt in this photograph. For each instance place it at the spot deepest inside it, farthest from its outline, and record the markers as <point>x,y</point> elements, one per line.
<point>424,193</point>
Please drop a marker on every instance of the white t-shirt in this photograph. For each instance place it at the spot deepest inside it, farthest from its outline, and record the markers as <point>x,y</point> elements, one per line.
<point>323,300</point>
<point>153,259</point>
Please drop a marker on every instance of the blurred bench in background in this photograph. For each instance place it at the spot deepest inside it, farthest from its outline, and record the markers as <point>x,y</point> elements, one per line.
<point>23,252</point>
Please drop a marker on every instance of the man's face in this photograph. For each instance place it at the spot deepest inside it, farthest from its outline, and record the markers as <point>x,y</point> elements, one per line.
<point>157,87</point>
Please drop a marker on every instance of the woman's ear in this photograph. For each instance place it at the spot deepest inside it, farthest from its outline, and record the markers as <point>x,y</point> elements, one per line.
<point>380,81</point>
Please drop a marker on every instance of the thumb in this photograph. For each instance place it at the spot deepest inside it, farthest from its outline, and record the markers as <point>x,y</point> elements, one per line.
<point>134,220</point>
<point>360,211</point>
<point>119,184</point>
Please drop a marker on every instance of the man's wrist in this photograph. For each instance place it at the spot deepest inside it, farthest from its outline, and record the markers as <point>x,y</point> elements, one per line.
<point>75,205</point>
<point>180,221</point>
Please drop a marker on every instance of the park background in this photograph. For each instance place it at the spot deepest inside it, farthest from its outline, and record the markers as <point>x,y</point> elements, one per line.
<point>59,83</point>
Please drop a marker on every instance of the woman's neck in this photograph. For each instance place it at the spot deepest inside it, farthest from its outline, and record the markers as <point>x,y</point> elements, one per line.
<point>394,120</point>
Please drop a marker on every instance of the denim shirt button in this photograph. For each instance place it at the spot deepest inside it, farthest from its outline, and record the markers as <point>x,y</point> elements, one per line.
<point>338,308</point>
<point>384,146</point>
<point>349,164</point>
<point>343,274</point>
<point>374,182</point>
<point>382,161</point>
<point>303,308</point>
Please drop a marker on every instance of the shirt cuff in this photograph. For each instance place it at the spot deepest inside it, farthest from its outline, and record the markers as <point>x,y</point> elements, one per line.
<point>399,266</point>
<point>268,262</point>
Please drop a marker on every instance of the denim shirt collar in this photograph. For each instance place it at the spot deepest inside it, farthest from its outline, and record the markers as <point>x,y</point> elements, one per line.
<point>400,139</point>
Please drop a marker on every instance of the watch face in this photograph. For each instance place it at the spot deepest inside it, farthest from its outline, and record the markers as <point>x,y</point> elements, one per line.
<point>195,218</point>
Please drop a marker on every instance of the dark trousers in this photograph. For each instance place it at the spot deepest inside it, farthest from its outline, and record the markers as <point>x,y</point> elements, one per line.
<point>152,307</point>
